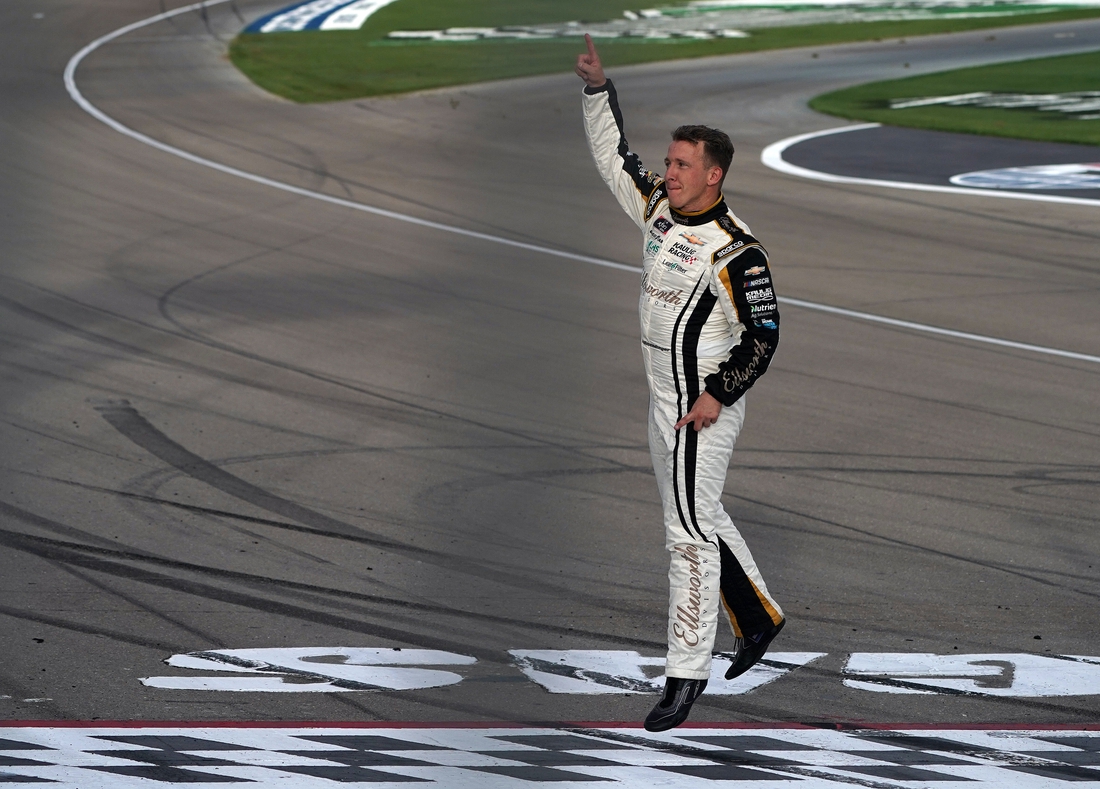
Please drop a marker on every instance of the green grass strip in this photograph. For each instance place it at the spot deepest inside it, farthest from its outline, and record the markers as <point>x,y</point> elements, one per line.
<point>871,102</point>
<point>316,66</point>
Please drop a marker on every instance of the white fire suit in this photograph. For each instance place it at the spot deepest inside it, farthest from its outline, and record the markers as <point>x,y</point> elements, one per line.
<point>709,321</point>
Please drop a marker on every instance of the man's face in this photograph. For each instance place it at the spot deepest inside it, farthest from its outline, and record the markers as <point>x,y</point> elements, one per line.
<point>692,186</point>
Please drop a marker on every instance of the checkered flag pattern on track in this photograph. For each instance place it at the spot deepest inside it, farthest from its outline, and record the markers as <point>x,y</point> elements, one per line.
<point>575,757</point>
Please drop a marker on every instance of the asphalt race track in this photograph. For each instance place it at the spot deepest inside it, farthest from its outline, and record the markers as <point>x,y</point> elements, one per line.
<point>241,418</point>
<point>931,157</point>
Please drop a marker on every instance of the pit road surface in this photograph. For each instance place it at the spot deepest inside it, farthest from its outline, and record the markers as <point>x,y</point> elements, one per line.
<point>234,417</point>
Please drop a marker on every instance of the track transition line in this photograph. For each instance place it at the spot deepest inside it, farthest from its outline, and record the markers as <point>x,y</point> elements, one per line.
<point>772,157</point>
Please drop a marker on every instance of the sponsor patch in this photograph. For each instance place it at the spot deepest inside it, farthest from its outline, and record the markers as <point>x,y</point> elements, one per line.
<point>729,249</point>
<point>668,296</point>
<point>692,239</point>
<point>662,224</point>
<point>763,294</point>
<point>752,272</point>
<point>672,265</point>
<point>658,193</point>
<point>752,283</point>
<point>684,252</point>
<point>652,247</point>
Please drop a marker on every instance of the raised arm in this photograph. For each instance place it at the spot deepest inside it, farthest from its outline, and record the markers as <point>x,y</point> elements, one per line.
<point>637,189</point>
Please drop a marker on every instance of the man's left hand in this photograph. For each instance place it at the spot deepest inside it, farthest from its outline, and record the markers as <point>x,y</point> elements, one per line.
<point>703,414</point>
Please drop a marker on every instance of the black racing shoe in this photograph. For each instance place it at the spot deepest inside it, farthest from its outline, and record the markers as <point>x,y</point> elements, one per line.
<point>752,649</point>
<point>674,706</point>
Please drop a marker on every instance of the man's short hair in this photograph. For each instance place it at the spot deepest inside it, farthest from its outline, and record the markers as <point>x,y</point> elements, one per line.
<point>717,147</point>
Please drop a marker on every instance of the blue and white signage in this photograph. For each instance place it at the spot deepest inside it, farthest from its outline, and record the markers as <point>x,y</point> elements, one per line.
<point>1044,176</point>
<point>318,15</point>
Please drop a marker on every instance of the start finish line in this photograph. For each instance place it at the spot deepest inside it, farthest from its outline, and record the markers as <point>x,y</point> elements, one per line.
<point>77,756</point>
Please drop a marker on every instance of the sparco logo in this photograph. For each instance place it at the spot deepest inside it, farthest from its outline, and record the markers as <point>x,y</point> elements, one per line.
<point>657,195</point>
<point>721,253</point>
<point>764,294</point>
<point>670,296</point>
<point>686,626</point>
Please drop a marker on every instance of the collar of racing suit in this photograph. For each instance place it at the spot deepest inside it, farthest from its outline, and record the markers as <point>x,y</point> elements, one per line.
<point>701,217</point>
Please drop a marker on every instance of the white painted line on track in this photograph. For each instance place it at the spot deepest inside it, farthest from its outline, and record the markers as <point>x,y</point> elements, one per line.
<point>95,112</point>
<point>866,316</point>
<point>772,156</point>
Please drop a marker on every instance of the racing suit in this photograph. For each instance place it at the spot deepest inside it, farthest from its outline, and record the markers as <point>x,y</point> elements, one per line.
<point>709,321</point>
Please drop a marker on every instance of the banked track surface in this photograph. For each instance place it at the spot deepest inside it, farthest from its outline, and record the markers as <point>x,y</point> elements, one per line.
<point>232,372</point>
<point>771,156</point>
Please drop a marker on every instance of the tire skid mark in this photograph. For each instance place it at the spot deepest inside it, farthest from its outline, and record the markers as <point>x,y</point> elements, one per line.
<point>135,602</point>
<point>69,550</point>
<point>127,421</point>
<point>293,527</point>
<point>399,406</point>
<point>80,556</point>
<point>131,424</point>
<point>98,543</point>
<point>282,525</point>
<point>259,665</point>
<point>821,474</point>
<point>80,627</point>
<point>914,546</point>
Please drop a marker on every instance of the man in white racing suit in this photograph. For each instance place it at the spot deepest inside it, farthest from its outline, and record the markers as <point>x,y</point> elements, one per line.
<point>710,325</point>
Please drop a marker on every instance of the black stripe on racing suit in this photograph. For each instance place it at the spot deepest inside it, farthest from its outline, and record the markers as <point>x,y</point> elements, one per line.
<point>648,183</point>
<point>748,282</point>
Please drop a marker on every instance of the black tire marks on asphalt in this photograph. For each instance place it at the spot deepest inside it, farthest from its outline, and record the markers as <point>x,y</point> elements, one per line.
<point>113,563</point>
<point>110,559</point>
<point>131,424</point>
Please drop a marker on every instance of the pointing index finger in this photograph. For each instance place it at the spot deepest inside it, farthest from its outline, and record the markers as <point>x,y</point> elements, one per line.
<point>591,47</point>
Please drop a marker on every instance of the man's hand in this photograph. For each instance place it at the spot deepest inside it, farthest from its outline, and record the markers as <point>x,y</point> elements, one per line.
<point>589,67</point>
<point>703,414</point>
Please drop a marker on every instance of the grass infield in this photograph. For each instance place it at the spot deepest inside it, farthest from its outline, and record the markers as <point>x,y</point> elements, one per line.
<point>871,102</point>
<point>314,66</point>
